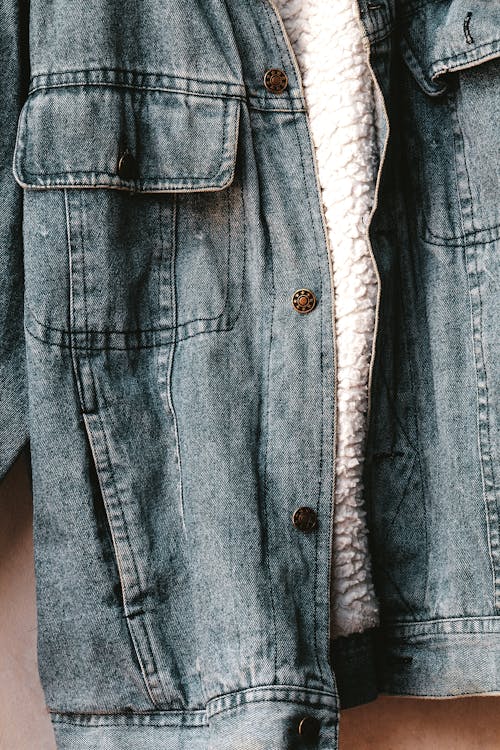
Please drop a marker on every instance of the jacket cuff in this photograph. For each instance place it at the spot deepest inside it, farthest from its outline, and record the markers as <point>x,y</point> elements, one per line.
<point>284,717</point>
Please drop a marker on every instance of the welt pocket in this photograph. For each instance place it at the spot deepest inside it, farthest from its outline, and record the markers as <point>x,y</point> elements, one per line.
<point>133,213</point>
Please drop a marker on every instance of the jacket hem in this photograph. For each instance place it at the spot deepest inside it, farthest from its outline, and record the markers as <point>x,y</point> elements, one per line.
<point>442,658</point>
<point>262,717</point>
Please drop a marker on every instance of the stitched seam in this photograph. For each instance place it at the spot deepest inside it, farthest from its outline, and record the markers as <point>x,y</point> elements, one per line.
<point>388,574</point>
<point>391,624</point>
<point>144,180</point>
<point>135,72</point>
<point>402,498</point>
<point>82,230</point>
<point>110,467</point>
<point>135,87</point>
<point>107,724</point>
<point>320,474</point>
<point>266,453</point>
<point>237,707</point>
<point>466,54</point>
<point>71,308</point>
<point>119,332</point>
<point>160,257</point>
<point>457,238</point>
<point>274,699</point>
<point>280,46</point>
<point>123,331</point>
<point>140,181</point>
<point>277,692</point>
<point>284,110</point>
<point>127,348</point>
<point>151,670</point>
<point>173,305</point>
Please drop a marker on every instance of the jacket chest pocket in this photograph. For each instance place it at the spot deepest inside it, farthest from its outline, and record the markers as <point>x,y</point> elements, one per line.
<point>452,112</point>
<point>133,214</point>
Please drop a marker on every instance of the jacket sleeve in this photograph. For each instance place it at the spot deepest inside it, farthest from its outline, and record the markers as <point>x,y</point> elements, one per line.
<point>14,67</point>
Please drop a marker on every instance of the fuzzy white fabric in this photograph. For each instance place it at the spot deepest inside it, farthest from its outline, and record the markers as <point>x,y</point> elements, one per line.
<point>327,41</point>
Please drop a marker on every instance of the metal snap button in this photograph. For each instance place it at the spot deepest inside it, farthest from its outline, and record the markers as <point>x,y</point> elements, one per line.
<point>304,300</point>
<point>305,519</point>
<point>309,727</point>
<point>127,166</point>
<point>275,80</point>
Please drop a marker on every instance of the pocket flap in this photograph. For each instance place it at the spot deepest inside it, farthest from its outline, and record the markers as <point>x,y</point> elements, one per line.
<point>76,136</point>
<point>443,37</point>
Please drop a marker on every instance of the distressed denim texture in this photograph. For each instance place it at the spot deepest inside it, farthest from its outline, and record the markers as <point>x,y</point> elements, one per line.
<point>179,410</point>
<point>433,450</point>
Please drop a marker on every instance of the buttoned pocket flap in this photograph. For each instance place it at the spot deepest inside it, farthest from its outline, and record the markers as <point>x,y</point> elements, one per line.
<point>450,102</point>
<point>442,38</point>
<point>126,138</point>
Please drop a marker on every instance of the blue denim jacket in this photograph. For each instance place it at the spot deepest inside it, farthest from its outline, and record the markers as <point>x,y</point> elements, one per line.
<point>167,346</point>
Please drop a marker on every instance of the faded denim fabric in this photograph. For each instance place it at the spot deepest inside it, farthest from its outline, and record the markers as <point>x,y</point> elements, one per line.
<point>432,471</point>
<point>179,409</point>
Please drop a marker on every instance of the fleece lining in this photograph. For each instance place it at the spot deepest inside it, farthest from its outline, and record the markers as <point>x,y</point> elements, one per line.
<point>327,40</point>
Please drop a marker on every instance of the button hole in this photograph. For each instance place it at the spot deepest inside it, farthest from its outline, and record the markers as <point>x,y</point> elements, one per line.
<point>468,36</point>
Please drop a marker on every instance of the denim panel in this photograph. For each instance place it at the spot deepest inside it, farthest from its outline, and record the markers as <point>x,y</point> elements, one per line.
<point>264,445</point>
<point>198,400</point>
<point>85,653</point>
<point>150,37</point>
<point>432,489</point>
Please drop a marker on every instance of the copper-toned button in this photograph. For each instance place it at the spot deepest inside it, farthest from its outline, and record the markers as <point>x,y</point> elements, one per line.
<point>127,166</point>
<point>309,727</point>
<point>304,300</point>
<point>305,519</point>
<point>275,80</point>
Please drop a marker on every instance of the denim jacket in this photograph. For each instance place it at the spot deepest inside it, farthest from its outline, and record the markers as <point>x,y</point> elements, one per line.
<point>167,347</point>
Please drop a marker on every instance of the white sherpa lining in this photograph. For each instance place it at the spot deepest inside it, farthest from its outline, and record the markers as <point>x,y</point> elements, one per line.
<point>327,40</point>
